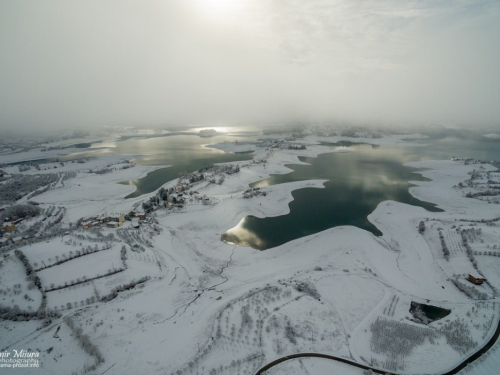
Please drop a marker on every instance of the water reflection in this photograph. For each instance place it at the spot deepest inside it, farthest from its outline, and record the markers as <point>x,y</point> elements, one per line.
<point>447,143</point>
<point>242,235</point>
<point>357,182</point>
<point>184,152</point>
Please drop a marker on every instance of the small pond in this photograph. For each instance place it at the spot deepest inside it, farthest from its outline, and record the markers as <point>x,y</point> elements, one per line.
<point>427,313</point>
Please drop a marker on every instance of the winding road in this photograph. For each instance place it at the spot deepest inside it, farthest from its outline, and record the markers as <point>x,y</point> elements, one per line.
<point>453,371</point>
<point>315,355</point>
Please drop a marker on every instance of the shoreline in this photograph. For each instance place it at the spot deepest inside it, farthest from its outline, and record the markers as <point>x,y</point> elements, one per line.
<point>205,283</point>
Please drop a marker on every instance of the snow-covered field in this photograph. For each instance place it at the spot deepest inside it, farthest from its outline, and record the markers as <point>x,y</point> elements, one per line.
<point>15,289</point>
<point>209,307</point>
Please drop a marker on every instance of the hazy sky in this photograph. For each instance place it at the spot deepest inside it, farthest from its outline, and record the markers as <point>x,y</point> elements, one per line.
<point>148,63</point>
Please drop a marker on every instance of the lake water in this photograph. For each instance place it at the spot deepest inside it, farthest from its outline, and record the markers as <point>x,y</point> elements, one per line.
<point>183,152</point>
<point>357,180</point>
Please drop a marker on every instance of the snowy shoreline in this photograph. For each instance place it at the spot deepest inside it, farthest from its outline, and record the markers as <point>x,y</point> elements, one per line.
<point>333,288</point>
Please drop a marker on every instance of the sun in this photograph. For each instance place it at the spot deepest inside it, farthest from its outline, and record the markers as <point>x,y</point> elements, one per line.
<point>221,3</point>
<point>219,7</point>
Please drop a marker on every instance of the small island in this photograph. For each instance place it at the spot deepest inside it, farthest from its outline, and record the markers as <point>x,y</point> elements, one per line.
<point>206,133</point>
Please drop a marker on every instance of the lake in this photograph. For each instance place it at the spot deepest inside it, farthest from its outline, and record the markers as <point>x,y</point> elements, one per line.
<point>183,152</point>
<point>357,182</point>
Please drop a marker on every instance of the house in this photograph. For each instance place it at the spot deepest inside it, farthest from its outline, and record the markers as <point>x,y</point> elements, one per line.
<point>476,280</point>
<point>232,169</point>
<point>142,216</point>
<point>4,241</point>
<point>113,224</point>
<point>9,227</point>
<point>116,218</point>
<point>17,239</point>
<point>421,227</point>
<point>135,223</point>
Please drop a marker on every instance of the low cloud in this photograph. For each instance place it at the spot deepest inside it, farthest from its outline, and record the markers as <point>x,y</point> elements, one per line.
<point>98,63</point>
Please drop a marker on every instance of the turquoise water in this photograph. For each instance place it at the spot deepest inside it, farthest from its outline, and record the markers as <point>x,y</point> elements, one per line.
<point>357,182</point>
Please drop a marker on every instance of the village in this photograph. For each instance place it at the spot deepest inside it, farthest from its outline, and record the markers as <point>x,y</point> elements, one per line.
<point>171,199</point>
<point>30,225</point>
<point>43,223</point>
<point>93,268</point>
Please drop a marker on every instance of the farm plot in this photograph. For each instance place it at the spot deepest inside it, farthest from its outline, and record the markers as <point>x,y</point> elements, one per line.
<point>403,346</point>
<point>105,285</point>
<point>490,268</point>
<point>14,289</point>
<point>50,252</point>
<point>391,309</point>
<point>238,333</point>
<point>85,267</point>
<point>72,297</point>
<point>268,323</point>
<point>487,241</point>
<point>305,325</point>
<point>454,242</point>
<point>83,294</point>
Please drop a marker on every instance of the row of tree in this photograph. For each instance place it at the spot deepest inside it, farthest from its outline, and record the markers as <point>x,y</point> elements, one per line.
<point>446,252</point>
<point>121,288</point>
<point>32,277</point>
<point>85,343</point>
<point>469,290</point>
<point>84,280</point>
